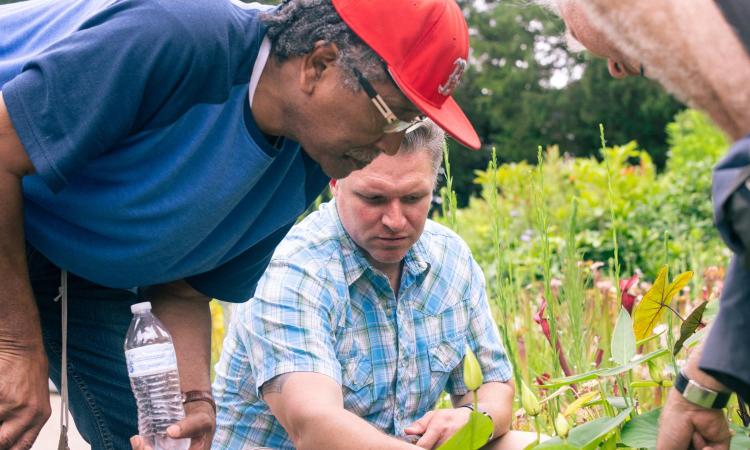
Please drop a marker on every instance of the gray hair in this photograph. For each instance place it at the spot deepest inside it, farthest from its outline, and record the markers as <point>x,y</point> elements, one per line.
<point>297,25</point>
<point>429,138</point>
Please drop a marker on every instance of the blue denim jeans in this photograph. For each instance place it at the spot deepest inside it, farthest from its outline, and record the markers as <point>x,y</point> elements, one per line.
<point>101,402</point>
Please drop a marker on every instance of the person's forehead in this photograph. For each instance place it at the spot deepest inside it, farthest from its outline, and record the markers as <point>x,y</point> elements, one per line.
<point>398,173</point>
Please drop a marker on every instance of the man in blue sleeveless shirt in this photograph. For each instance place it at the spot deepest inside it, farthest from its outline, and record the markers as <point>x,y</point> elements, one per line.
<point>701,52</point>
<point>152,149</point>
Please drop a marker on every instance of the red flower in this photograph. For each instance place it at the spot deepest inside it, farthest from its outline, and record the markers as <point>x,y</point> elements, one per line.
<point>627,300</point>
<point>544,323</point>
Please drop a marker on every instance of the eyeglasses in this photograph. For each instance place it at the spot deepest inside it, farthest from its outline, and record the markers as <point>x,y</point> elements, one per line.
<point>393,123</point>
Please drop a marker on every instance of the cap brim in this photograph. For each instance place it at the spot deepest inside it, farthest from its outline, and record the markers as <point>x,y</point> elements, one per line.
<point>449,116</point>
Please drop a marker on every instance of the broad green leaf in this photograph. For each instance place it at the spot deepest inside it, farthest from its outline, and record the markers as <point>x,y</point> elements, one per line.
<point>589,435</point>
<point>689,325</point>
<point>634,363</point>
<point>623,339</point>
<point>471,436</point>
<point>649,310</point>
<point>741,440</point>
<point>642,430</point>
<point>560,446</point>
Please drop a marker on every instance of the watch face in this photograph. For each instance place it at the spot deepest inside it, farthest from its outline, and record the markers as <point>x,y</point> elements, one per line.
<point>695,393</point>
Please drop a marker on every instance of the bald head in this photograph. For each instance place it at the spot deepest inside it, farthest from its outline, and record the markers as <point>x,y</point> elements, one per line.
<point>691,51</point>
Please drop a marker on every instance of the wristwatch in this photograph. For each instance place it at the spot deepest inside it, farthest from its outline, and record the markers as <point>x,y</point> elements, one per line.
<point>700,395</point>
<point>481,410</point>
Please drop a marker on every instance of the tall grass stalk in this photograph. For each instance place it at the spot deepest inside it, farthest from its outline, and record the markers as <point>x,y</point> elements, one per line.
<point>447,194</point>
<point>611,196</point>
<point>542,223</point>
<point>573,289</point>
<point>503,264</point>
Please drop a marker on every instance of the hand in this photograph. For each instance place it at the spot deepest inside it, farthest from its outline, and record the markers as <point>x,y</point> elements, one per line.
<point>24,395</point>
<point>199,424</point>
<point>683,423</point>
<point>438,426</point>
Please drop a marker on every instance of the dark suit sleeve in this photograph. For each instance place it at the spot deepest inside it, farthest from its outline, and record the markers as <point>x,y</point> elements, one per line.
<point>726,355</point>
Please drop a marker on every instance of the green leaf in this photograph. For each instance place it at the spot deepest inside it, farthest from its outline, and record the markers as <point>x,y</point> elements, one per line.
<point>649,310</point>
<point>641,432</point>
<point>623,339</point>
<point>689,325</point>
<point>471,436</point>
<point>590,434</point>
<point>566,381</point>
<point>695,338</point>
<point>634,363</point>
<point>560,446</point>
<point>741,440</point>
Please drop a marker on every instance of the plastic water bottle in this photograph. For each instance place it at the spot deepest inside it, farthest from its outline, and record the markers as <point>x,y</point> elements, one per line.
<point>152,368</point>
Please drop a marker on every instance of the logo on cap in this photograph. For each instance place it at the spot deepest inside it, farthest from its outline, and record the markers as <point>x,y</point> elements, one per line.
<point>454,78</point>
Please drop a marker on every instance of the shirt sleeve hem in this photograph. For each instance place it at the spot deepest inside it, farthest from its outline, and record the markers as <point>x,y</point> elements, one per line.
<point>23,125</point>
<point>266,375</point>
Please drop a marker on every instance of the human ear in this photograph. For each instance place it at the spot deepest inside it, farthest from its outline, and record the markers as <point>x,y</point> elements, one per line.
<point>316,64</point>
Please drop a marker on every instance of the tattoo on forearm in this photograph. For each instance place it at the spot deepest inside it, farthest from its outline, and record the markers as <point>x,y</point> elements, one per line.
<point>275,384</point>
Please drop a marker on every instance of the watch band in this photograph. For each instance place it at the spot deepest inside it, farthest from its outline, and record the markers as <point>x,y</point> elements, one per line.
<point>702,396</point>
<point>199,396</point>
<point>480,410</point>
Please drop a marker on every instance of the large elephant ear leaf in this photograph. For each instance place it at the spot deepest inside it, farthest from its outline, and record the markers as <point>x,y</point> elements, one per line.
<point>689,325</point>
<point>650,309</point>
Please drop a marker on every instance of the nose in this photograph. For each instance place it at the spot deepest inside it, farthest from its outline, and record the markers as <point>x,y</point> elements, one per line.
<point>393,218</point>
<point>617,69</point>
<point>389,143</point>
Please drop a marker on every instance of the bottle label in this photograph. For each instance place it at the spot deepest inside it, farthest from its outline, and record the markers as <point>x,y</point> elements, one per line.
<point>151,359</point>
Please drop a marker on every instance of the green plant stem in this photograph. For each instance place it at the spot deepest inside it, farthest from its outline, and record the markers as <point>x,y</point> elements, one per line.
<point>543,227</point>
<point>611,210</point>
<point>607,407</point>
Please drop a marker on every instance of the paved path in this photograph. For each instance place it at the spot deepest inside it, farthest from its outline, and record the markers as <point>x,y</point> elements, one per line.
<point>50,434</point>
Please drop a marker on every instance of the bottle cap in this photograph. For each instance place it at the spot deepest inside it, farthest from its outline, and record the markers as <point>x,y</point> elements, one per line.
<point>140,307</point>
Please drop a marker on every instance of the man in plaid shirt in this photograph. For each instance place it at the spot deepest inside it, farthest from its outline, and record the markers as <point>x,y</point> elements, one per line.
<point>360,323</point>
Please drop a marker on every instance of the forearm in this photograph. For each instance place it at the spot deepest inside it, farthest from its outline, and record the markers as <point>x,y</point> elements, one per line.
<point>339,429</point>
<point>496,399</point>
<point>187,316</point>
<point>20,325</point>
<point>695,373</point>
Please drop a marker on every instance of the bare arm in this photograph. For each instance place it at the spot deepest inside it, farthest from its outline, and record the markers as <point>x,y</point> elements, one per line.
<point>310,407</point>
<point>185,313</point>
<point>437,426</point>
<point>497,399</point>
<point>24,396</point>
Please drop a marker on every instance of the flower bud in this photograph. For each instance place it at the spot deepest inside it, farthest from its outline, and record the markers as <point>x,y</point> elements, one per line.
<point>529,401</point>
<point>472,371</point>
<point>561,426</point>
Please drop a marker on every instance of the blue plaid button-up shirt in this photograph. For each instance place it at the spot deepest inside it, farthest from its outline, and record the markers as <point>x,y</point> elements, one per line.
<point>321,307</point>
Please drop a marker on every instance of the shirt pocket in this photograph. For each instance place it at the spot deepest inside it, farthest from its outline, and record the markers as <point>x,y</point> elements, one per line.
<point>357,384</point>
<point>445,356</point>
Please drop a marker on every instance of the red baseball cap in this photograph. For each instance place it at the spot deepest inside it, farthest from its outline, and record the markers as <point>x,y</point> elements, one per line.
<point>425,44</point>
